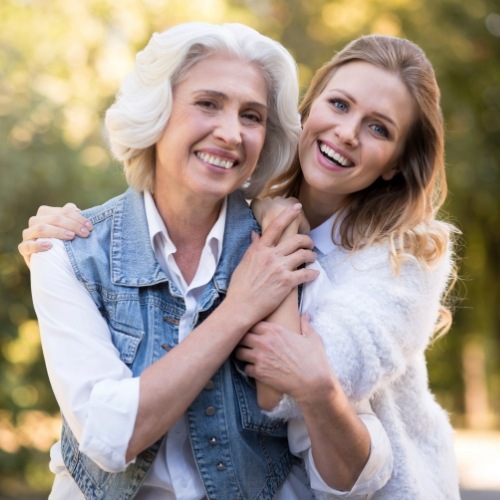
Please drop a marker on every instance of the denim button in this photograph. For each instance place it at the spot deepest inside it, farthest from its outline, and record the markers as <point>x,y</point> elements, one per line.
<point>210,385</point>
<point>221,466</point>
<point>210,410</point>
<point>213,441</point>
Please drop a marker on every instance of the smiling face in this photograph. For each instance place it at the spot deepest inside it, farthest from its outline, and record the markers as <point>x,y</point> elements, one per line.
<point>215,133</point>
<point>354,134</point>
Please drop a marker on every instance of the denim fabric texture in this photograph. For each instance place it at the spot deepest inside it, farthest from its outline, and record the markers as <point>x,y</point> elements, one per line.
<point>239,451</point>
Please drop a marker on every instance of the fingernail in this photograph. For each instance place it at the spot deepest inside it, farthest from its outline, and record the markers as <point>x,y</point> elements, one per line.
<point>297,206</point>
<point>69,234</point>
<point>84,231</point>
<point>46,245</point>
<point>89,225</point>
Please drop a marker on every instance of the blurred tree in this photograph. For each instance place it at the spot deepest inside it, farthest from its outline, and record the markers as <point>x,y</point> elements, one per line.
<point>61,62</point>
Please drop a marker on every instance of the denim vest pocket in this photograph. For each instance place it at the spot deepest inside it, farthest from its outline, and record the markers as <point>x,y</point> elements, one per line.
<point>252,416</point>
<point>127,330</point>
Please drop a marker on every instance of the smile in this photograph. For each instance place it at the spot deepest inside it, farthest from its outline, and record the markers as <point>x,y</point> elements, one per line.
<point>334,157</point>
<point>216,161</point>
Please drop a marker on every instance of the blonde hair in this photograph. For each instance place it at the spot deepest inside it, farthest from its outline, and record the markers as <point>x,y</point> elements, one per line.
<point>137,118</point>
<point>402,211</point>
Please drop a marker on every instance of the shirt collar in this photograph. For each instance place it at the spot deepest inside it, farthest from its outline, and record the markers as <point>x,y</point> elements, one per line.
<point>322,236</point>
<point>158,230</point>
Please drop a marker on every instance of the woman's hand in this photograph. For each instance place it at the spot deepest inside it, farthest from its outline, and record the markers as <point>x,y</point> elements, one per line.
<point>266,209</point>
<point>290,363</point>
<point>298,365</point>
<point>63,223</point>
<point>270,269</point>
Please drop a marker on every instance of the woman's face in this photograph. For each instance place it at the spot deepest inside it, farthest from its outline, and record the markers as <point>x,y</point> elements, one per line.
<point>216,130</point>
<point>354,134</point>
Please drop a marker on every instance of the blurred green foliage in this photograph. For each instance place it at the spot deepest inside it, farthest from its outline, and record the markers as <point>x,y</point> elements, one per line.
<point>61,62</point>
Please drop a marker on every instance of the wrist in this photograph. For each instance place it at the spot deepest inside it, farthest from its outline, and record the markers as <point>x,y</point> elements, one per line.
<point>325,394</point>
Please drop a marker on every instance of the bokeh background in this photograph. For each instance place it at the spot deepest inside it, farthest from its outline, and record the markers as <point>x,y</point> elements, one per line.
<point>61,62</point>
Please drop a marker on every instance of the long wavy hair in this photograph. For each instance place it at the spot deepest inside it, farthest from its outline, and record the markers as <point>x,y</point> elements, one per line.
<point>402,211</point>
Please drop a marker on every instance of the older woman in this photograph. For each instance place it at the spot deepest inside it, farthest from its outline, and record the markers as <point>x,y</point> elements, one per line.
<point>138,321</point>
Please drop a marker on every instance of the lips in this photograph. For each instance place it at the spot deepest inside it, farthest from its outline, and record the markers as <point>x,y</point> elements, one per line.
<point>334,156</point>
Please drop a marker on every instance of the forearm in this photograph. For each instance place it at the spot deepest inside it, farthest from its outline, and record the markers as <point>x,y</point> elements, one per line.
<point>287,315</point>
<point>340,442</point>
<point>168,387</point>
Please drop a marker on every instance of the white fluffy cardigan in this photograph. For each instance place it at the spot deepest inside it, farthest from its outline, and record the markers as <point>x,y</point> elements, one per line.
<point>375,328</point>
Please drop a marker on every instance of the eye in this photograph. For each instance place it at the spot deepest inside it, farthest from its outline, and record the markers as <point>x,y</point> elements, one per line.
<point>380,130</point>
<point>339,104</point>
<point>207,104</point>
<point>252,116</point>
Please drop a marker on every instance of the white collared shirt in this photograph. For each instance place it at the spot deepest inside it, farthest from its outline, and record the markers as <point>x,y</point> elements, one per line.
<point>102,415</point>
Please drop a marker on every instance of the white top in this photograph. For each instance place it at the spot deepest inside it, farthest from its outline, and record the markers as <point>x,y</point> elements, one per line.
<point>99,397</point>
<point>376,327</point>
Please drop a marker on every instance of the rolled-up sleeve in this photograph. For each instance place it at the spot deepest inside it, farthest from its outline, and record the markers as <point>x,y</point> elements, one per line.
<point>95,390</point>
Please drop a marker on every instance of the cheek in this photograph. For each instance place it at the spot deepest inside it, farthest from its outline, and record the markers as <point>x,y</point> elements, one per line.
<point>256,143</point>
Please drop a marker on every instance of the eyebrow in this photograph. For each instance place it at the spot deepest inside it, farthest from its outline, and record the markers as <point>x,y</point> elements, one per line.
<point>221,95</point>
<point>375,113</point>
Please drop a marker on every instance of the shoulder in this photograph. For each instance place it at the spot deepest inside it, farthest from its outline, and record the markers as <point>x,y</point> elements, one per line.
<point>106,209</point>
<point>375,260</point>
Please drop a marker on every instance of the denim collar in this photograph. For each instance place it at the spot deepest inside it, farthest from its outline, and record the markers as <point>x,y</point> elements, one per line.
<point>133,262</point>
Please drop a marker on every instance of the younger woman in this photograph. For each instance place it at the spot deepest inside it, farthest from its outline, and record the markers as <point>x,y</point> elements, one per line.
<point>371,179</point>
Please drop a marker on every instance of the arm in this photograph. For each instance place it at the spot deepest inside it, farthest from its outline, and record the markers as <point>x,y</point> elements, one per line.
<point>265,276</point>
<point>63,223</point>
<point>340,442</point>
<point>287,313</point>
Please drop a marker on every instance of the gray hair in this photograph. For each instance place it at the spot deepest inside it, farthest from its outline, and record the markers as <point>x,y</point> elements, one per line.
<point>137,118</point>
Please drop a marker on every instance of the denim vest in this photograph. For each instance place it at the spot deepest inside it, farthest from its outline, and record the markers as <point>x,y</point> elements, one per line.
<point>240,453</point>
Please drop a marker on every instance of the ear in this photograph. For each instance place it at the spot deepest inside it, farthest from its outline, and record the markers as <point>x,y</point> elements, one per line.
<point>390,173</point>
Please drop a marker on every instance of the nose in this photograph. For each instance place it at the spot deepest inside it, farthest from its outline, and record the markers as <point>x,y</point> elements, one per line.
<point>228,128</point>
<point>347,132</point>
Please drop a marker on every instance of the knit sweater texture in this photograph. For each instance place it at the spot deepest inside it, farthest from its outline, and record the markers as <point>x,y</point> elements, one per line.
<point>376,327</point>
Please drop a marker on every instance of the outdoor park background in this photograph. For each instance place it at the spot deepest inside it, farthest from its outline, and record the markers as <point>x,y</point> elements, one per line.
<point>61,62</point>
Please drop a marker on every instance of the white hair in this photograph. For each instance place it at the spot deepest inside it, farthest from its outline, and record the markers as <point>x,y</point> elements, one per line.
<point>137,118</point>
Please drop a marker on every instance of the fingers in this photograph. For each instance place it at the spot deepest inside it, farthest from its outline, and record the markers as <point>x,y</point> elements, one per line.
<point>277,226</point>
<point>27,248</point>
<point>63,223</point>
<point>47,210</point>
<point>57,224</point>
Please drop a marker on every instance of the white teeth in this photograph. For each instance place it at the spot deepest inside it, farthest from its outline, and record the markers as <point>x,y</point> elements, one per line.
<point>214,160</point>
<point>334,155</point>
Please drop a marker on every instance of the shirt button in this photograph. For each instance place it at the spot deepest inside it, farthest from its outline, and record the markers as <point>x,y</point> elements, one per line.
<point>220,466</point>
<point>210,410</point>
<point>210,385</point>
<point>213,441</point>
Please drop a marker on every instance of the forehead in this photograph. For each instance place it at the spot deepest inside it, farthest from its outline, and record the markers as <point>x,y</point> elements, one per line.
<point>375,88</point>
<point>227,75</point>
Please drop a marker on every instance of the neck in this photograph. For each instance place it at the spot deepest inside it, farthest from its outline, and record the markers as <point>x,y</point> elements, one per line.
<point>188,222</point>
<point>317,206</point>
